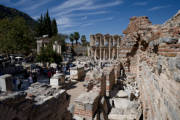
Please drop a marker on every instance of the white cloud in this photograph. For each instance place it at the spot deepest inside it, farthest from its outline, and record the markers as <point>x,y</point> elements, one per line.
<point>35,17</point>
<point>86,24</point>
<point>158,7</point>
<point>110,4</point>
<point>102,19</point>
<point>69,4</point>
<point>87,13</point>
<point>82,5</point>
<point>63,21</point>
<point>37,5</point>
<point>66,22</point>
<point>92,22</point>
<point>20,2</point>
<point>140,3</point>
<point>65,12</point>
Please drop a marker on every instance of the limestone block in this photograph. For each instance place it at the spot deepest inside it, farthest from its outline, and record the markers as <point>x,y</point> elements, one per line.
<point>122,94</point>
<point>57,79</point>
<point>171,64</point>
<point>169,40</point>
<point>88,107</point>
<point>178,63</point>
<point>177,77</point>
<point>47,104</point>
<point>6,83</point>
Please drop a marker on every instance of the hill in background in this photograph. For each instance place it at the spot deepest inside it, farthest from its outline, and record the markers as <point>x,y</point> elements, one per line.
<point>7,12</point>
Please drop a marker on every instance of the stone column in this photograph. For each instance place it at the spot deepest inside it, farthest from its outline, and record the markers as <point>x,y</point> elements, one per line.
<point>113,53</point>
<point>104,56</point>
<point>88,51</point>
<point>112,41</point>
<point>100,44</point>
<point>109,48</point>
<point>95,53</point>
<point>117,55</point>
<point>100,54</point>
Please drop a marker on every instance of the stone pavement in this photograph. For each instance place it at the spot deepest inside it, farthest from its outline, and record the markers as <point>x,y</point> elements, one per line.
<point>75,91</point>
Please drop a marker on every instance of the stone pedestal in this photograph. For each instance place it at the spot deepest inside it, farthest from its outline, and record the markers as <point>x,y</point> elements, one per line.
<point>57,79</point>
<point>77,73</point>
<point>6,83</point>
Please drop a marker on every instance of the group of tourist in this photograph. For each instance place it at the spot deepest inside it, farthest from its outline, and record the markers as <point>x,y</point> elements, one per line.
<point>19,81</point>
<point>32,78</point>
<point>51,72</point>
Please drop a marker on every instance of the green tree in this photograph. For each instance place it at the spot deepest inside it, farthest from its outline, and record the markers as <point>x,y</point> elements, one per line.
<point>54,27</point>
<point>48,55</point>
<point>40,26</point>
<point>83,40</point>
<point>71,37</point>
<point>16,36</point>
<point>76,36</point>
<point>47,21</point>
<point>46,26</point>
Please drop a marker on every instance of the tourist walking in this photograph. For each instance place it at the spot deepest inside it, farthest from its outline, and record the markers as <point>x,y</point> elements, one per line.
<point>30,80</point>
<point>19,85</point>
<point>49,74</point>
<point>34,77</point>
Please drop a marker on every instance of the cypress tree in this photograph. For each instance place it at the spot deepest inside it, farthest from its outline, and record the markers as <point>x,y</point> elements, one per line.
<point>40,26</point>
<point>54,27</point>
<point>48,28</point>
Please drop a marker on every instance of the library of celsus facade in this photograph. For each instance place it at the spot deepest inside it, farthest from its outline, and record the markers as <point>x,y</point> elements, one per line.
<point>104,47</point>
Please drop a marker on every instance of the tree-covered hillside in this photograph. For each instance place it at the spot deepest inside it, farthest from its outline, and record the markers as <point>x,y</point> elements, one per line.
<point>6,12</point>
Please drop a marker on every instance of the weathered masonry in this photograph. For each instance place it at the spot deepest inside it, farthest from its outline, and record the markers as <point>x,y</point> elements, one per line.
<point>39,102</point>
<point>153,58</point>
<point>104,47</point>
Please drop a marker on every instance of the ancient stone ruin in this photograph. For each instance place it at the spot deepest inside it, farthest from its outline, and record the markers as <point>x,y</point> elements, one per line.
<point>39,102</point>
<point>104,47</point>
<point>130,77</point>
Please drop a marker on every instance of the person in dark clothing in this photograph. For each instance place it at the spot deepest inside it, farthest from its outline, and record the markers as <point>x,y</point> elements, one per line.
<point>19,85</point>
<point>34,77</point>
<point>49,75</point>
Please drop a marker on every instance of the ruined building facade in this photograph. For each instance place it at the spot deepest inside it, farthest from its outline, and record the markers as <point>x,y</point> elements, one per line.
<point>104,47</point>
<point>151,54</point>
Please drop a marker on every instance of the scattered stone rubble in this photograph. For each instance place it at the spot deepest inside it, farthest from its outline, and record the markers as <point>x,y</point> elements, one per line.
<point>39,102</point>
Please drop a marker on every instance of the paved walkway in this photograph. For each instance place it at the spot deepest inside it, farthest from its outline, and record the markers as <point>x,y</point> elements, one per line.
<point>75,91</point>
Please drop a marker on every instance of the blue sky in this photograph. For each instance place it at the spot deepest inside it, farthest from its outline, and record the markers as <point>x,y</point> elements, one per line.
<point>96,16</point>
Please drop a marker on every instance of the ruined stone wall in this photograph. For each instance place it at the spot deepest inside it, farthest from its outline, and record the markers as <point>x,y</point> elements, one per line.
<point>158,80</point>
<point>110,78</point>
<point>39,102</point>
<point>86,105</point>
<point>153,58</point>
